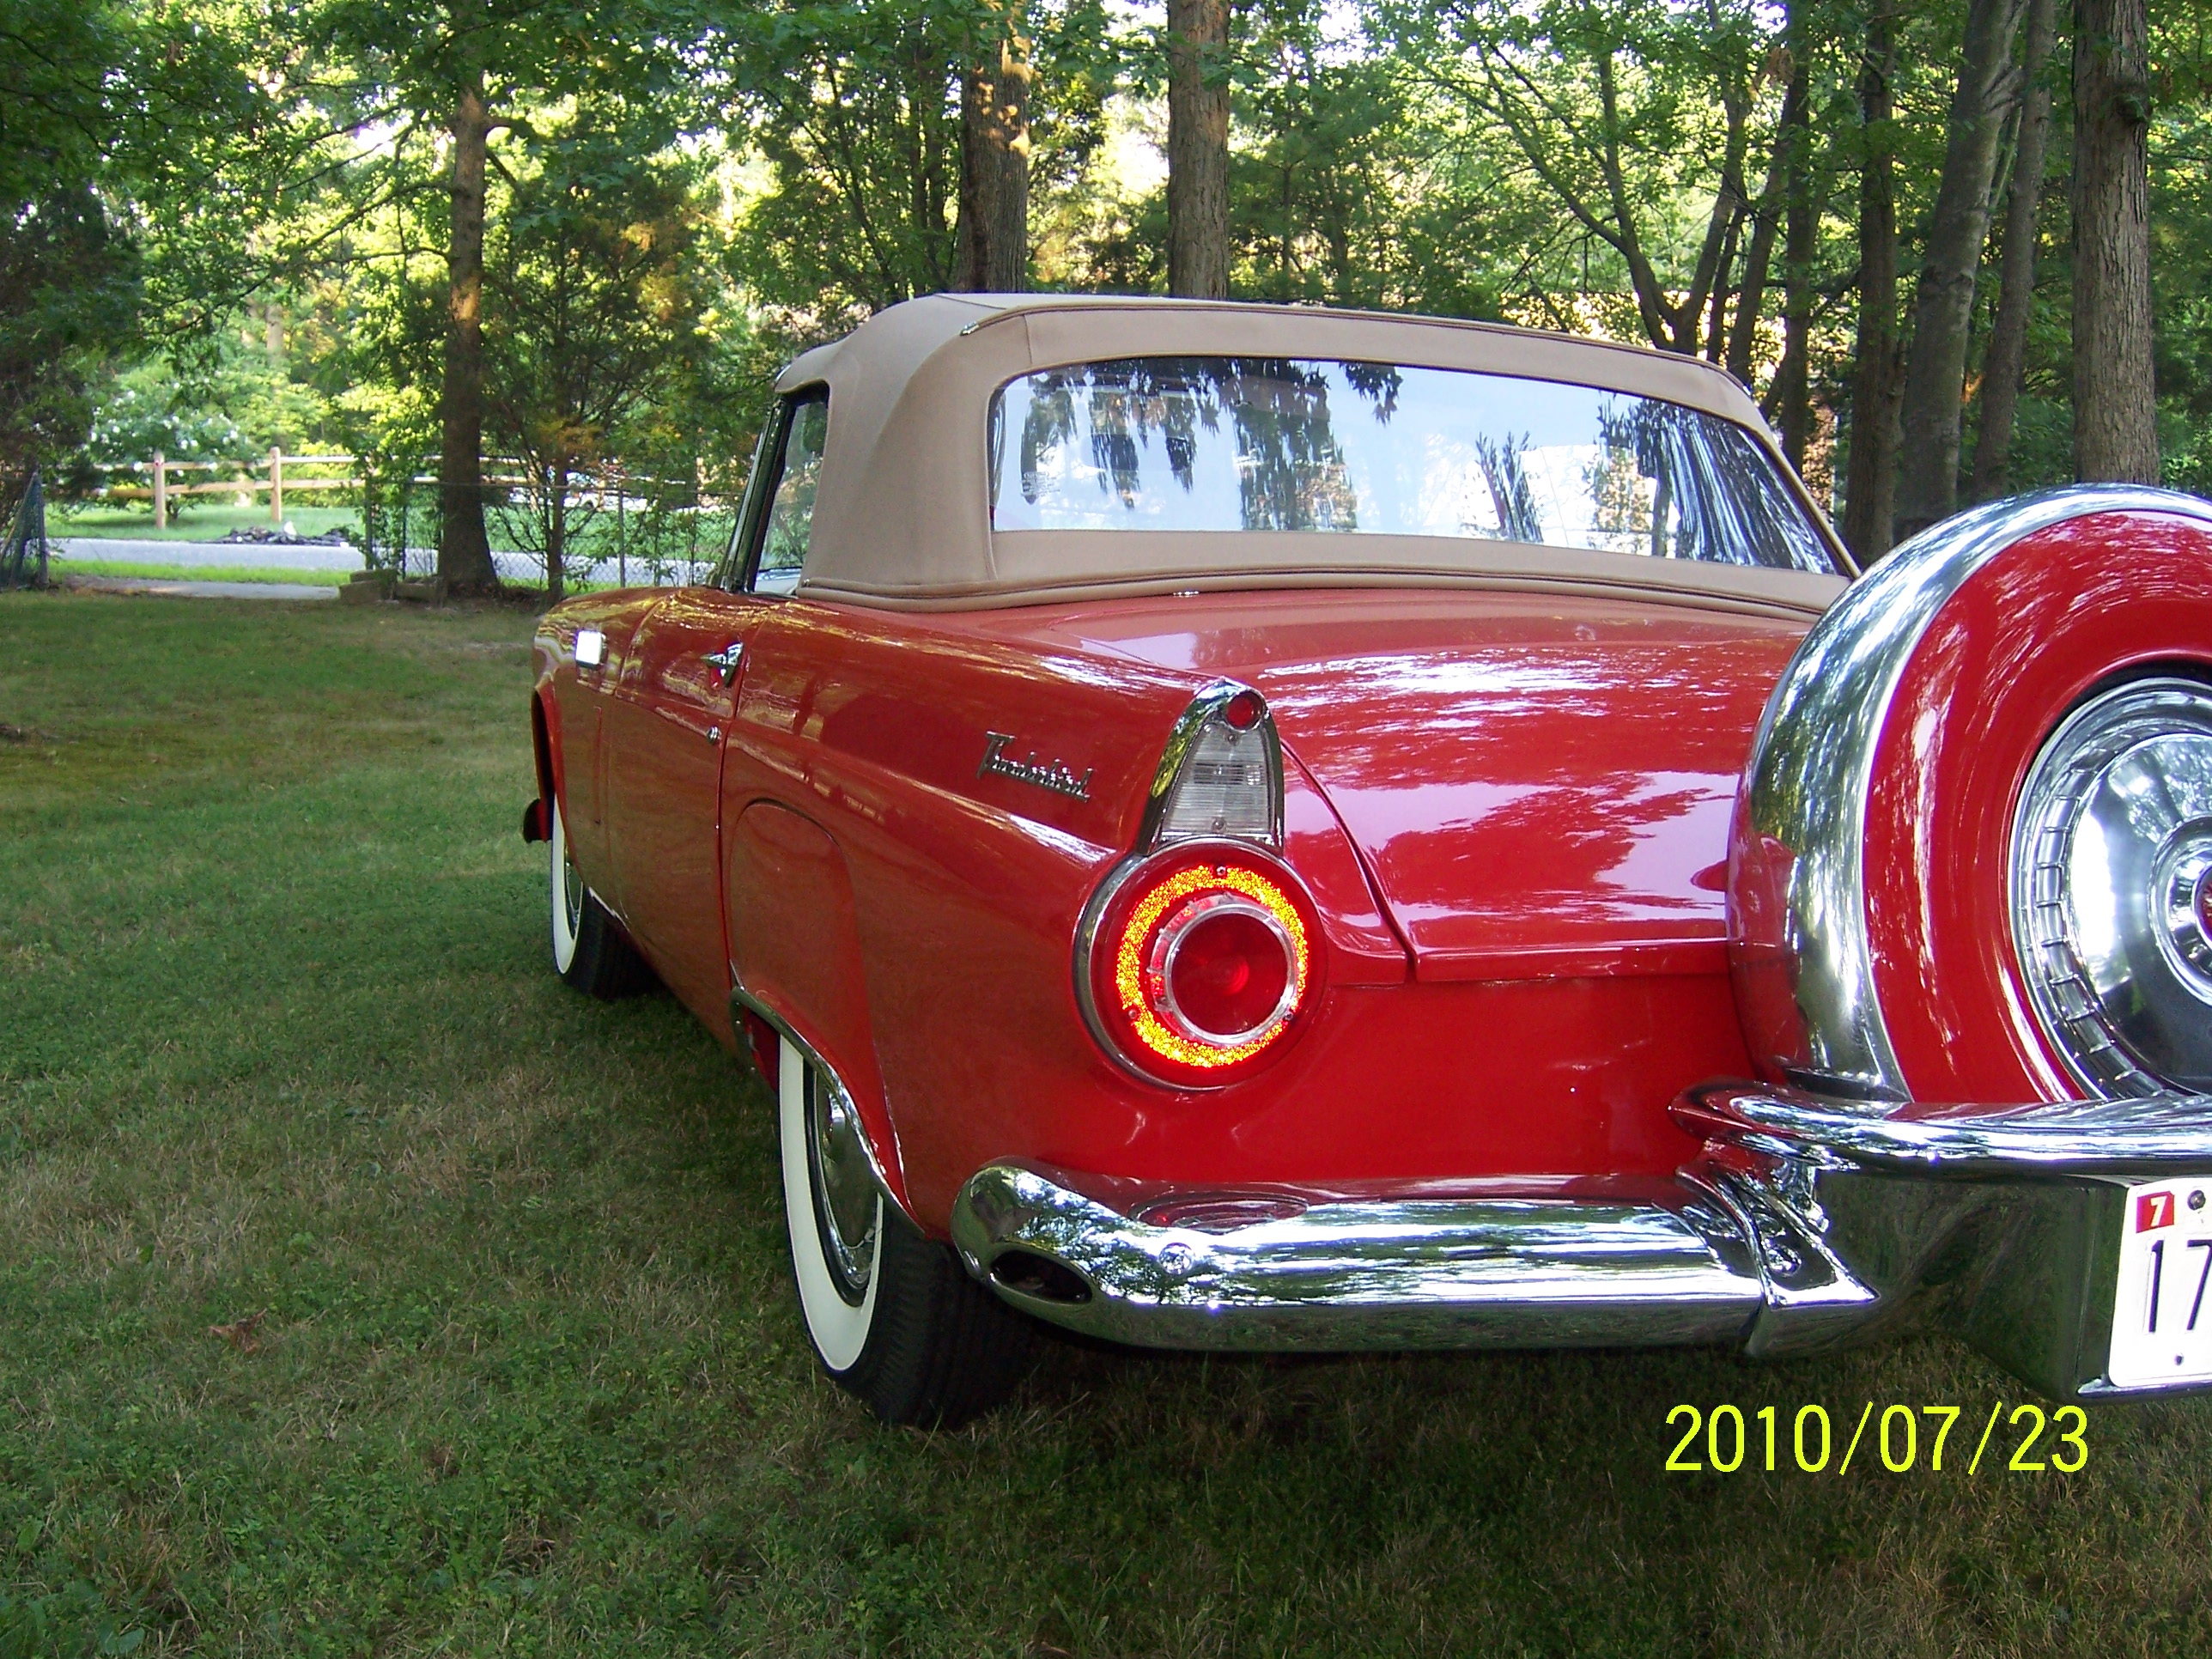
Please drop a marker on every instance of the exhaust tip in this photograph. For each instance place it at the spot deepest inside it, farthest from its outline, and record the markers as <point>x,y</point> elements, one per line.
<point>1041,1277</point>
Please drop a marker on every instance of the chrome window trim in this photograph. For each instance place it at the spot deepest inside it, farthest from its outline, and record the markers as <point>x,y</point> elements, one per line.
<point>1811,773</point>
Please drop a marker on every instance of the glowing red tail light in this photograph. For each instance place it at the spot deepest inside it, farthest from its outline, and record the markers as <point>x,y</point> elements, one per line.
<point>1200,963</point>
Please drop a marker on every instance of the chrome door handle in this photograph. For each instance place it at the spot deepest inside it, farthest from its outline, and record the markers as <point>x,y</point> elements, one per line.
<point>725,660</point>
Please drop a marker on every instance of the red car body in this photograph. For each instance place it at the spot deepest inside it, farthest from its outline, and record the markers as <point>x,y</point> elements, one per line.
<point>1508,800</point>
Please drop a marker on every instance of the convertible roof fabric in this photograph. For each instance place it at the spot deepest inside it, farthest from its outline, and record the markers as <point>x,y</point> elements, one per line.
<point>901,516</point>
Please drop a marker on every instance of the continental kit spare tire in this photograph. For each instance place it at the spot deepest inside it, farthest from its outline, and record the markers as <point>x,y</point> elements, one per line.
<point>1971,858</point>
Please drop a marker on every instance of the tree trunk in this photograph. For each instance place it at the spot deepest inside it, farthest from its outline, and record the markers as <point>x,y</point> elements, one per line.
<point>1793,378</point>
<point>2115,414</point>
<point>1936,371</point>
<point>1197,148</point>
<point>1716,323</point>
<point>1743,339</point>
<point>2007,353</point>
<point>1870,482</point>
<point>556,530</point>
<point>463,552</point>
<point>994,169</point>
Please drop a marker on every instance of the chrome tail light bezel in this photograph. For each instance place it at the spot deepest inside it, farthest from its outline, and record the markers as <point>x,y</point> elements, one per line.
<point>1225,715</point>
<point>1099,938</point>
<point>1225,707</point>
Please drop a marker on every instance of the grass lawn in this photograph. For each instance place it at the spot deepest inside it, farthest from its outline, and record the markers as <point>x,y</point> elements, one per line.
<point>199,573</point>
<point>279,1041</point>
<point>202,521</point>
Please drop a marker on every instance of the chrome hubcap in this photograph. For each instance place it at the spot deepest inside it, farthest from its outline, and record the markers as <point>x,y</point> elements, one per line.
<point>844,1209</point>
<point>572,887</point>
<point>2111,888</point>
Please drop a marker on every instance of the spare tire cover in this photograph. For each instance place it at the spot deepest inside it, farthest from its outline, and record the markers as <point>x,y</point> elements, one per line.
<point>1971,858</point>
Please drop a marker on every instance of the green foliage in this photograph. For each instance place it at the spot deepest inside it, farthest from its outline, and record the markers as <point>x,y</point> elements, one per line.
<point>178,172</point>
<point>598,303</point>
<point>857,118</point>
<point>68,274</point>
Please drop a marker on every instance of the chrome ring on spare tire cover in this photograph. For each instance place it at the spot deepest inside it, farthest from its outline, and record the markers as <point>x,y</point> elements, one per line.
<point>845,1211</point>
<point>2110,885</point>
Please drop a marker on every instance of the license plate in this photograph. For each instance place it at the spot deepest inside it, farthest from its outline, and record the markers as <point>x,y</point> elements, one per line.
<point>2162,1312</point>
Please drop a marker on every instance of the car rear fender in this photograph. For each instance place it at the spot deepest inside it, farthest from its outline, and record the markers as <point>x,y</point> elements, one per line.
<point>545,720</point>
<point>797,959</point>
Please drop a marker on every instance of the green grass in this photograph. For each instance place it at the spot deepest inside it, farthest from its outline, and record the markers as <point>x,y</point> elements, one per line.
<point>202,521</point>
<point>277,1037</point>
<point>197,573</point>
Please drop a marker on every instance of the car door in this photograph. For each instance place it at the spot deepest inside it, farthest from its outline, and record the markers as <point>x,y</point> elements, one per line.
<point>667,722</point>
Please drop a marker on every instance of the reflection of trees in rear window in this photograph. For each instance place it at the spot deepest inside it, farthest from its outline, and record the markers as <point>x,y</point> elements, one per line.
<point>1131,421</point>
<point>1277,444</point>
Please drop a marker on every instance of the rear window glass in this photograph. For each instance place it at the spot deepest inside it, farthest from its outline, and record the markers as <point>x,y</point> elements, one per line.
<point>1249,443</point>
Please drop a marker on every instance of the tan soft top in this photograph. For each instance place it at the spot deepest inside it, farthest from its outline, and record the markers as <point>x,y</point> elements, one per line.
<point>902,514</point>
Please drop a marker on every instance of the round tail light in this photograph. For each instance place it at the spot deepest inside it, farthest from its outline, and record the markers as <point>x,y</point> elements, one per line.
<point>1200,964</point>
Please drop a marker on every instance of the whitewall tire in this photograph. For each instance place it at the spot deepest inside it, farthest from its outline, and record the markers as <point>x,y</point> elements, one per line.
<point>835,1271</point>
<point>590,950</point>
<point>892,1316</point>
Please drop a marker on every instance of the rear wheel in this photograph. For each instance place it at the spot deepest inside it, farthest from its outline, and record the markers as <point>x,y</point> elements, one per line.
<point>589,951</point>
<point>893,1316</point>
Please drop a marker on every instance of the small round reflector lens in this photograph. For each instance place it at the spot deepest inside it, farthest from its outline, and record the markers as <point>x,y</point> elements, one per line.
<point>1228,972</point>
<point>1242,711</point>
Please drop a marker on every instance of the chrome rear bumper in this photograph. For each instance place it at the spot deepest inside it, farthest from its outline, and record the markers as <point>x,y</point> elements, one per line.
<point>1418,1273</point>
<point>1806,1224</point>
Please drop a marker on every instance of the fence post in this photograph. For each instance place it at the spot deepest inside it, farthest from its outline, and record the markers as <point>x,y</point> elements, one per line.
<point>160,491</point>
<point>276,485</point>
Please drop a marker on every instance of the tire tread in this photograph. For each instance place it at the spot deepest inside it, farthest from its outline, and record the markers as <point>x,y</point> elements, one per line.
<point>946,1349</point>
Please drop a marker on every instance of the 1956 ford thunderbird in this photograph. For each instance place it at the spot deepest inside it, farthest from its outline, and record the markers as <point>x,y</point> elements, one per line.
<point>1247,828</point>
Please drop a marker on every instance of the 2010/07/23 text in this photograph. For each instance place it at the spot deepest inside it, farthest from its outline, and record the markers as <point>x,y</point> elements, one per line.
<point>2024,1441</point>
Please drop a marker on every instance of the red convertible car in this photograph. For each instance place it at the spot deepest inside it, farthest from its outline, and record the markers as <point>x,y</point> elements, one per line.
<point>1256,828</point>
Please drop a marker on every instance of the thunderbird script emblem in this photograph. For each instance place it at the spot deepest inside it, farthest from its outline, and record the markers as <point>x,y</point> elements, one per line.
<point>1056,775</point>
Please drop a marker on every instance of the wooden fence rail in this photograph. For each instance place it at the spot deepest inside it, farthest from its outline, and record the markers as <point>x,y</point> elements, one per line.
<point>274,481</point>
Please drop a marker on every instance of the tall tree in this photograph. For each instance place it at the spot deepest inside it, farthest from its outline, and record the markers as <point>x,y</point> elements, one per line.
<point>1766,214</point>
<point>1618,113</point>
<point>600,291</point>
<point>1197,148</point>
<point>471,68</point>
<point>1870,482</point>
<point>856,110</point>
<point>2008,350</point>
<point>1317,205</point>
<point>124,132</point>
<point>1935,368</point>
<point>2115,410</point>
<point>464,548</point>
<point>994,159</point>
<point>1793,377</point>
